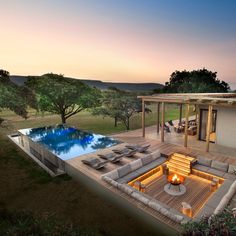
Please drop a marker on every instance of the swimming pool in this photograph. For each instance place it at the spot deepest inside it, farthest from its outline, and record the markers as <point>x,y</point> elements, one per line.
<point>66,142</point>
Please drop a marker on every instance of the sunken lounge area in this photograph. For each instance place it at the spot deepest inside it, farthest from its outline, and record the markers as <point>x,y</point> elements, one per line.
<point>196,188</point>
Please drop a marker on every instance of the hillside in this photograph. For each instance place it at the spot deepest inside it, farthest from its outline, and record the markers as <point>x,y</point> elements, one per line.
<point>19,80</point>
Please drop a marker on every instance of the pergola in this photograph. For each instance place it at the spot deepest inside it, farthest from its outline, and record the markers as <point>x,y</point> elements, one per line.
<point>208,100</point>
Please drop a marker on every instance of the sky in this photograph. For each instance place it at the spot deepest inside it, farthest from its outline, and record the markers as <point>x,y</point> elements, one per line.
<point>118,40</point>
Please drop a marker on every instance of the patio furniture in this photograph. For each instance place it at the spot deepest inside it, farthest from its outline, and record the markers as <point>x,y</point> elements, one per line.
<point>130,153</point>
<point>112,157</point>
<point>192,130</point>
<point>138,148</point>
<point>121,150</point>
<point>94,162</point>
<point>170,122</point>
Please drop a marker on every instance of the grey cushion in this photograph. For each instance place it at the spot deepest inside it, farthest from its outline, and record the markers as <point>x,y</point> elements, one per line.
<point>128,178</point>
<point>156,155</point>
<point>215,172</point>
<point>113,174</point>
<point>200,167</point>
<point>223,189</point>
<point>203,161</point>
<point>126,189</point>
<point>229,176</point>
<point>146,159</point>
<point>231,169</point>
<point>151,165</point>
<point>135,164</point>
<point>220,166</point>
<point>124,170</point>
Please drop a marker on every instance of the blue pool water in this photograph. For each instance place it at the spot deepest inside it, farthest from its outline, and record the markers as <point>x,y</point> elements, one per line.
<point>68,142</point>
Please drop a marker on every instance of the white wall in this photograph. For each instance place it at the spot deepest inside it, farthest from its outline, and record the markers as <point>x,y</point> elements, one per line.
<point>226,127</point>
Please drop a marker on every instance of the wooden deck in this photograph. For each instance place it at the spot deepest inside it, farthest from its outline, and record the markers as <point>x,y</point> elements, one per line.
<point>198,189</point>
<point>197,192</point>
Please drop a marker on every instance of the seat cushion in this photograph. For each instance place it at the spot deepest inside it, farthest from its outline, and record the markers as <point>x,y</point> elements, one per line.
<point>204,161</point>
<point>220,165</point>
<point>135,164</point>
<point>200,167</point>
<point>124,170</point>
<point>128,178</point>
<point>216,172</point>
<point>146,159</point>
<point>232,169</point>
<point>229,176</point>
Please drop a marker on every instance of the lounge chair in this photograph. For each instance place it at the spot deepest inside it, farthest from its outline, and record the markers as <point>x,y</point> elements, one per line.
<point>95,162</point>
<point>112,157</point>
<point>121,151</point>
<point>125,152</point>
<point>138,148</point>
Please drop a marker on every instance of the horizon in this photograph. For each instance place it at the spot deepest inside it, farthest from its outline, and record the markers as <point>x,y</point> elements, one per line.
<point>133,42</point>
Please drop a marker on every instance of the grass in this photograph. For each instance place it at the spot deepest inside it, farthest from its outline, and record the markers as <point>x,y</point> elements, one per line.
<point>26,187</point>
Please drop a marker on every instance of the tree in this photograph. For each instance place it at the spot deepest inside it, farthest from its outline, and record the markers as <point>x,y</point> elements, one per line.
<point>196,81</point>
<point>119,105</point>
<point>13,97</point>
<point>63,96</point>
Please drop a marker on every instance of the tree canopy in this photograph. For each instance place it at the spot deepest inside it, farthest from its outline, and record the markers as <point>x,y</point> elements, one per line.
<point>63,96</point>
<point>13,97</point>
<point>196,81</point>
<point>120,105</point>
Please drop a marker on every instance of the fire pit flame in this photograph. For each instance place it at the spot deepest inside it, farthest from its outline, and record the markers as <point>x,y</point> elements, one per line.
<point>175,178</point>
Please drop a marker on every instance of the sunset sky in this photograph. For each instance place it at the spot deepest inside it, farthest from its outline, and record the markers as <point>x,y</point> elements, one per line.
<point>118,40</point>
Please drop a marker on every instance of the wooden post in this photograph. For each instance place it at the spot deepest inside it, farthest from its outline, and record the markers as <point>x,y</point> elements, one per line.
<point>180,113</point>
<point>198,121</point>
<point>162,120</point>
<point>143,117</point>
<point>158,117</point>
<point>186,126</point>
<point>209,124</point>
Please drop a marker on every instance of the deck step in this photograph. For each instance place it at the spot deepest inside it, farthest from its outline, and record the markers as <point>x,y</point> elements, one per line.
<point>179,163</point>
<point>176,166</point>
<point>178,171</point>
<point>182,160</point>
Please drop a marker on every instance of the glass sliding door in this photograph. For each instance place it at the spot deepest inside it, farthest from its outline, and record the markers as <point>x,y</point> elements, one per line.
<point>203,125</point>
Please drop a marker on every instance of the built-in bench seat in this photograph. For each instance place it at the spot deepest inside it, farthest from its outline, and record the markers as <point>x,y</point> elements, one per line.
<point>224,193</point>
<point>217,168</point>
<point>121,176</point>
<point>133,175</point>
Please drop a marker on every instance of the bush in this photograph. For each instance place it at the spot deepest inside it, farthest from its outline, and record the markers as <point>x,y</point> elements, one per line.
<point>223,224</point>
<point>24,223</point>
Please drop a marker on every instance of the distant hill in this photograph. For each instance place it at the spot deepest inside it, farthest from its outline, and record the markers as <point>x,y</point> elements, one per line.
<point>20,80</point>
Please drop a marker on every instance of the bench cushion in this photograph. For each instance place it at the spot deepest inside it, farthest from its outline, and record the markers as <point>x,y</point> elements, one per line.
<point>128,178</point>
<point>229,176</point>
<point>220,165</point>
<point>200,167</point>
<point>135,164</point>
<point>215,172</point>
<point>231,169</point>
<point>203,161</point>
<point>124,170</point>
<point>146,159</point>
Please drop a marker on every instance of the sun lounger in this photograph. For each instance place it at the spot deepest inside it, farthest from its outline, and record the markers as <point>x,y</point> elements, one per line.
<point>130,153</point>
<point>95,162</point>
<point>138,148</point>
<point>112,157</point>
<point>121,151</point>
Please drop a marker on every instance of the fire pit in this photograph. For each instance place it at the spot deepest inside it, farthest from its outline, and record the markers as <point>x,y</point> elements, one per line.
<point>175,186</point>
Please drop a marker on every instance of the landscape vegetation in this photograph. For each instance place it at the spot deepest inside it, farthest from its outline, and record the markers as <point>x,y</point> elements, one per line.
<point>37,204</point>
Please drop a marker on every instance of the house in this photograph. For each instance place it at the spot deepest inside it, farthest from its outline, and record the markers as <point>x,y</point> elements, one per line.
<point>215,115</point>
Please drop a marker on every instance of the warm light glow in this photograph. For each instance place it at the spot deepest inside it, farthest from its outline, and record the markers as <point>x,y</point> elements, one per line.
<point>175,178</point>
